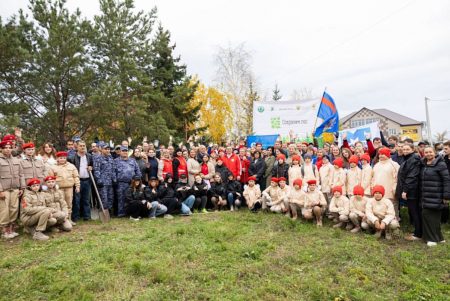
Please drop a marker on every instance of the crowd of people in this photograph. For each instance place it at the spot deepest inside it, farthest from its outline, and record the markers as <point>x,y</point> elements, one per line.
<point>359,187</point>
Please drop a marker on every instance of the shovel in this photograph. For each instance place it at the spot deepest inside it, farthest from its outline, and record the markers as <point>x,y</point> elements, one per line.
<point>94,210</point>
<point>103,213</point>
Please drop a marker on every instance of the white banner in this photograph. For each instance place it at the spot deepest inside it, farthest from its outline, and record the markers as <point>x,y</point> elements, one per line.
<point>294,119</point>
<point>359,133</point>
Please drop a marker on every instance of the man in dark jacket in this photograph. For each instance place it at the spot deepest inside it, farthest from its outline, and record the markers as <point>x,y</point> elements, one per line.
<point>408,190</point>
<point>83,162</point>
<point>257,167</point>
<point>185,195</point>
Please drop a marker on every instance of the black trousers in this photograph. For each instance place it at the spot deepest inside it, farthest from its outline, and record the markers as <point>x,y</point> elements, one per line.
<point>432,225</point>
<point>137,209</point>
<point>415,216</point>
<point>200,202</point>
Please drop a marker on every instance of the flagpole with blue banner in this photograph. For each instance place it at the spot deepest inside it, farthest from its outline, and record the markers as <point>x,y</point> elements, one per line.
<point>317,116</point>
<point>329,114</point>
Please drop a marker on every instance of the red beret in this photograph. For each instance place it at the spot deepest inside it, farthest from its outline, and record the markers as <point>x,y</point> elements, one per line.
<point>5,143</point>
<point>281,156</point>
<point>252,178</point>
<point>33,181</point>
<point>353,159</point>
<point>339,162</point>
<point>336,188</point>
<point>358,190</point>
<point>281,179</point>
<point>312,182</point>
<point>273,179</point>
<point>61,154</point>
<point>378,188</point>
<point>28,145</point>
<point>48,178</point>
<point>298,182</point>
<point>365,157</point>
<point>296,158</point>
<point>305,143</point>
<point>384,151</point>
<point>9,137</point>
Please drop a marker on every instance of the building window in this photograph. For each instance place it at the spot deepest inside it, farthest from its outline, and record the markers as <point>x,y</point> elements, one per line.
<point>372,120</point>
<point>357,122</point>
<point>392,132</point>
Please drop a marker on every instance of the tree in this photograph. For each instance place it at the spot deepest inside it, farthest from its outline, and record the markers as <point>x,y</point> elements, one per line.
<point>215,112</point>
<point>250,98</point>
<point>276,93</point>
<point>302,94</point>
<point>44,70</point>
<point>441,137</point>
<point>176,88</point>
<point>233,76</point>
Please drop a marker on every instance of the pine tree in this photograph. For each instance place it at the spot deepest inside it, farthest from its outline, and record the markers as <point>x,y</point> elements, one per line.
<point>251,96</point>
<point>276,93</point>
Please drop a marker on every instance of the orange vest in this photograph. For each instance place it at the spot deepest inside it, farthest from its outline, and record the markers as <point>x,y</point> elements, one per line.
<point>182,168</point>
<point>167,168</point>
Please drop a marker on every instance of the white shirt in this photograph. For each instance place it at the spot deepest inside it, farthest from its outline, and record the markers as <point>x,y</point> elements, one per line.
<point>83,167</point>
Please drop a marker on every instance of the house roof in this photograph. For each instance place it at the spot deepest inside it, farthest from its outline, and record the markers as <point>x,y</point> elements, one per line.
<point>398,118</point>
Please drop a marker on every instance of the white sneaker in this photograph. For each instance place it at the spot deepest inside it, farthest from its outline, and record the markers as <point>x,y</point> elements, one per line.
<point>232,208</point>
<point>442,241</point>
<point>168,216</point>
<point>7,235</point>
<point>134,219</point>
<point>431,243</point>
<point>14,234</point>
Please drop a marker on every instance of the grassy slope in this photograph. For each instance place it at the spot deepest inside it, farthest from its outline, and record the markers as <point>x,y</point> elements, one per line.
<point>221,256</point>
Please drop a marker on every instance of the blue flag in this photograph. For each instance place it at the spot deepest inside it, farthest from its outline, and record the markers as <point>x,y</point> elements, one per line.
<point>328,112</point>
<point>265,140</point>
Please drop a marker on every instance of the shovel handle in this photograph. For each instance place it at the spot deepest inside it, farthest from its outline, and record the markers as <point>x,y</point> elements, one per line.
<point>96,190</point>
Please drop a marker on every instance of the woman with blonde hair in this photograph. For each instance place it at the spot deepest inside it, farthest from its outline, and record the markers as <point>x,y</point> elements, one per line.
<point>47,153</point>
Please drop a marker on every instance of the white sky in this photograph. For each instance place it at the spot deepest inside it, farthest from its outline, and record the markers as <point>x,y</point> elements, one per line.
<point>373,53</point>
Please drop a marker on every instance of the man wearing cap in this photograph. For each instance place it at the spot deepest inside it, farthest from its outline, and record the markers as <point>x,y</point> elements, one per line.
<point>105,176</point>
<point>84,163</point>
<point>380,213</point>
<point>72,151</point>
<point>35,215</point>
<point>125,169</point>
<point>32,167</point>
<point>54,199</point>
<point>385,173</point>
<point>67,178</point>
<point>12,183</point>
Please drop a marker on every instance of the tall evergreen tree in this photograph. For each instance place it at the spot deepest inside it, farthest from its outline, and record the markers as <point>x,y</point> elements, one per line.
<point>276,93</point>
<point>250,97</point>
<point>176,89</point>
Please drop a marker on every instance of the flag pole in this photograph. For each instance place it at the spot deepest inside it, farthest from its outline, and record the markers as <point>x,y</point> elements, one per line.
<point>315,122</point>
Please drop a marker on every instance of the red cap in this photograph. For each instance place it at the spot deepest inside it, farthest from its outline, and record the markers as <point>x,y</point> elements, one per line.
<point>281,156</point>
<point>312,182</point>
<point>365,157</point>
<point>61,154</point>
<point>384,151</point>
<point>28,145</point>
<point>296,158</point>
<point>5,143</point>
<point>9,137</point>
<point>281,179</point>
<point>33,181</point>
<point>339,162</point>
<point>353,159</point>
<point>252,178</point>
<point>273,179</point>
<point>378,188</point>
<point>48,178</point>
<point>358,190</point>
<point>336,188</point>
<point>298,182</point>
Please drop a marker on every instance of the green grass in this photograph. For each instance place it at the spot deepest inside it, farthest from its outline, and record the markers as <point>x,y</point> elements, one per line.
<point>221,256</point>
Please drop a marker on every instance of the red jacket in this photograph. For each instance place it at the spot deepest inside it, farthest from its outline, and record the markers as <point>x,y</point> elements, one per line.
<point>167,167</point>
<point>233,163</point>
<point>245,165</point>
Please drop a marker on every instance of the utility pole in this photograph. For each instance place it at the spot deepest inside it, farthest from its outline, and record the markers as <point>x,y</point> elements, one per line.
<point>430,139</point>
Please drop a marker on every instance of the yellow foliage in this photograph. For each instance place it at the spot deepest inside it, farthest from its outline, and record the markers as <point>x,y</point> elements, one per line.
<point>215,113</point>
<point>328,137</point>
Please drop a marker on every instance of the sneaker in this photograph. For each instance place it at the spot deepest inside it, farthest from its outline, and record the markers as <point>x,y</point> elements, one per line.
<point>355,230</point>
<point>54,230</point>
<point>232,208</point>
<point>338,225</point>
<point>66,226</point>
<point>378,234</point>
<point>38,235</point>
<point>7,236</point>
<point>134,219</point>
<point>319,223</point>
<point>14,234</point>
<point>411,237</point>
<point>431,243</point>
<point>388,235</point>
<point>152,217</point>
<point>73,223</point>
<point>168,216</point>
<point>442,241</point>
<point>204,210</point>
<point>349,226</point>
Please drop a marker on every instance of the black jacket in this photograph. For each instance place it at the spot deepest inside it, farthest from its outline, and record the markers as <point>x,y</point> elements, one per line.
<point>134,196</point>
<point>234,187</point>
<point>408,177</point>
<point>200,190</point>
<point>257,168</point>
<point>217,189</point>
<point>166,191</point>
<point>183,194</point>
<point>434,184</point>
<point>151,168</point>
<point>151,195</point>
<point>223,171</point>
<point>75,160</point>
<point>281,171</point>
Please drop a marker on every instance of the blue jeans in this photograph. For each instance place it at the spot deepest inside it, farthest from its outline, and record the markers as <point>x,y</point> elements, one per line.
<point>157,209</point>
<point>230,199</point>
<point>81,201</point>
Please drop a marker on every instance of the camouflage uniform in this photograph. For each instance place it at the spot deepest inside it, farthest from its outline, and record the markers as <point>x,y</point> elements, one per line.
<point>125,170</point>
<point>105,176</point>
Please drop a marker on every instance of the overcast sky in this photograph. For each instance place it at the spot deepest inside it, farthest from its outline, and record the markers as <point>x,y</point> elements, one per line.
<point>377,54</point>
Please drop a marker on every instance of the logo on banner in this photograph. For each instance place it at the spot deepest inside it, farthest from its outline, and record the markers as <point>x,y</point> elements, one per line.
<point>275,122</point>
<point>260,109</point>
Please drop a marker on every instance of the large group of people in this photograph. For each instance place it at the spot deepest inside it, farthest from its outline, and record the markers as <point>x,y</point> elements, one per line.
<point>359,187</point>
